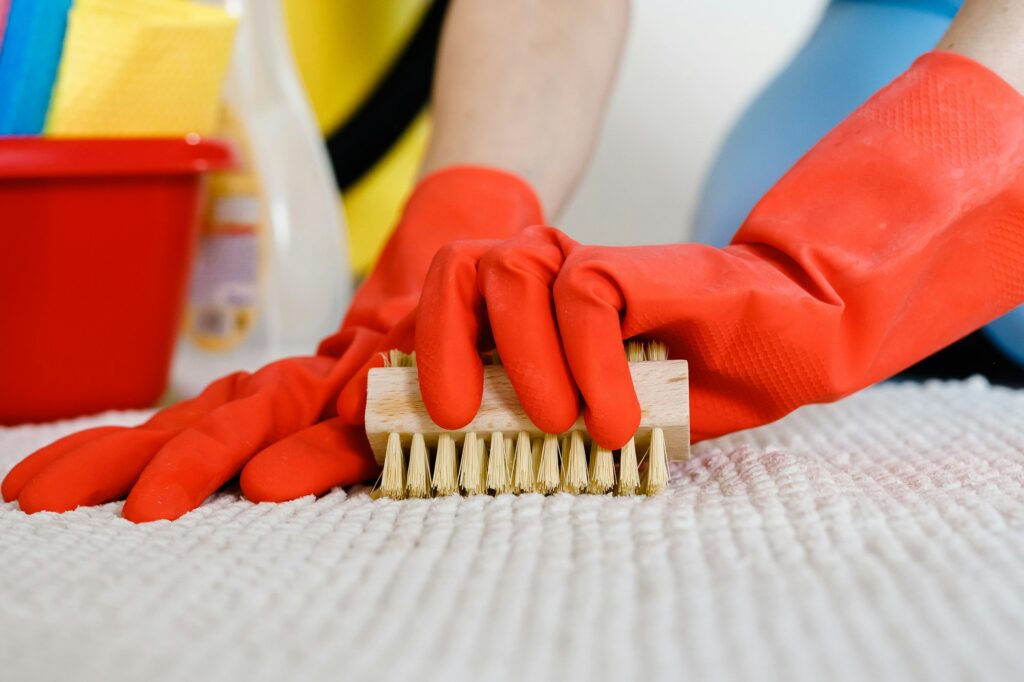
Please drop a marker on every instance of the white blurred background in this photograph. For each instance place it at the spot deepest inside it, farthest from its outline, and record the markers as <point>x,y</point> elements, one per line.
<point>690,67</point>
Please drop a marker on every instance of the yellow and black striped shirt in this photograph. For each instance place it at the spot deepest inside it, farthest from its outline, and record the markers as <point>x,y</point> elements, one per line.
<point>367,67</point>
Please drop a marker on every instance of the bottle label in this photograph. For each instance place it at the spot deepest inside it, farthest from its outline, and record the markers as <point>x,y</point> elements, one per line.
<point>225,278</point>
<point>224,294</point>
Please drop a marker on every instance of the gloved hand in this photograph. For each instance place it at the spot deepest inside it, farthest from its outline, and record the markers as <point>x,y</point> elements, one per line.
<point>283,427</point>
<point>899,232</point>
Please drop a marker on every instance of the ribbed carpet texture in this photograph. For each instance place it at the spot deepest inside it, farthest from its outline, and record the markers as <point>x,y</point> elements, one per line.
<point>879,538</point>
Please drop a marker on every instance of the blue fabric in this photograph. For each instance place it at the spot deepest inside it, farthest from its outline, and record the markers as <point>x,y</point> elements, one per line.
<point>859,46</point>
<point>856,49</point>
<point>30,53</point>
<point>947,7</point>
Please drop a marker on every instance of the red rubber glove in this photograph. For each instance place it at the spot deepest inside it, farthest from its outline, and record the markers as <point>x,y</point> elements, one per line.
<point>278,426</point>
<point>898,233</point>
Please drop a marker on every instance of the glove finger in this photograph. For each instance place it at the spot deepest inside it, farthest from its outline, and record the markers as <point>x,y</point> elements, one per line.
<point>279,399</point>
<point>589,304</point>
<point>310,462</point>
<point>448,332</point>
<point>99,475</point>
<point>181,414</point>
<point>352,399</point>
<point>516,279</point>
<point>27,468</point>
<point>99,471</point>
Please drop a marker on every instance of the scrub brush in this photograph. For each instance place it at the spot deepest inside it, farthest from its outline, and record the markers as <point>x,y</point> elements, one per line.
<point>502,452</point>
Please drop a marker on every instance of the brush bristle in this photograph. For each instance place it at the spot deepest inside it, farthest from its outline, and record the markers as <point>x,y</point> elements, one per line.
<point>629,473</point>
<point>446,481</point>
<point>548,467</point>
<point>574,466</point>
<point>417,483</point>
<point>545,465</point>
<point>470,466</point>
<point>656,350</point>
<point>497,469</point>
<point>393,477</point>
<point>482,453</point>
<point>602,470</point>
<point>523,465</point>
<point>636,351</point>
<point>656,476</point>
<point>397,358</point>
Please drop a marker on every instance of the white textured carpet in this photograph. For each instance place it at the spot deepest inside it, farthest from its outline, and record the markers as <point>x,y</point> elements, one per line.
<point>879,538</point>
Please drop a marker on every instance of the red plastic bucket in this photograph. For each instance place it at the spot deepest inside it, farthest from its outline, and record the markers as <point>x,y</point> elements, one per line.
<point>96,239</point>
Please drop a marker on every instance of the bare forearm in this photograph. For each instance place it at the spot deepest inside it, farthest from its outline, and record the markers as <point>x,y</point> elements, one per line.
<point>522,85</point>
<point>990,32</point>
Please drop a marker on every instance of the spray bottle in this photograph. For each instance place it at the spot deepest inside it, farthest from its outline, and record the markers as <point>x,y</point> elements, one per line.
<point>271,276</point>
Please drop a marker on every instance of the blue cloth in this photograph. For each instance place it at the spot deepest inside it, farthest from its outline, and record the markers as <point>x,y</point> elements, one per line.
<point>947,7</point>
<point>29,56</point>
<point>858,47</point>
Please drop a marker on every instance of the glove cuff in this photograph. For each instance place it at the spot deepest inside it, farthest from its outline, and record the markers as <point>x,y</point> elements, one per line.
<point>946,135</point>
<point>454,203</point>
<point>474,202</point>
<point>963,114</point>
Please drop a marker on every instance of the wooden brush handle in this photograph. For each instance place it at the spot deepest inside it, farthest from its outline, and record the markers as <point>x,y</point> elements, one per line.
<point>394,405</point>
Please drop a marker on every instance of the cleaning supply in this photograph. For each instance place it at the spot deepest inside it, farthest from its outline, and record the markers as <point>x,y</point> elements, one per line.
<point>223,298</point>
<point>32,44</point>
<point>140,68</point>
<point>277,427</point>
<point>397,422</point>
<point>97,236</point>
<point>272,275</point>
<point>897,234</point>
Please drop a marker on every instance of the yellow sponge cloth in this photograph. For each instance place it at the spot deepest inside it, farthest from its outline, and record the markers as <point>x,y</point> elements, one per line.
<point>141,68</point>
